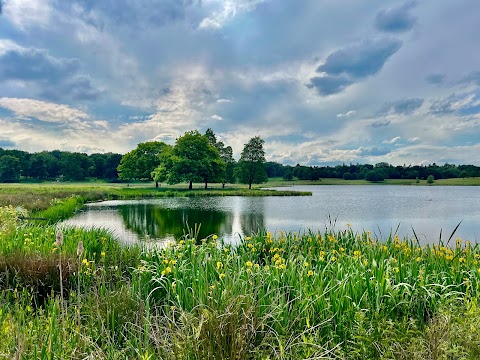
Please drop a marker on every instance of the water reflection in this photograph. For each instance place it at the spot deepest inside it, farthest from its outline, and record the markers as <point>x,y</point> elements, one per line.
<point>379,209</point>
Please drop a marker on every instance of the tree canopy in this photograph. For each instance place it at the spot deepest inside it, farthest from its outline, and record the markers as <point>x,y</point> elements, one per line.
<point>251,166</point>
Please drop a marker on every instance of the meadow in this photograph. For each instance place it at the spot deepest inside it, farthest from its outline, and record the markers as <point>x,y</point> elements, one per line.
<point>78,294</point>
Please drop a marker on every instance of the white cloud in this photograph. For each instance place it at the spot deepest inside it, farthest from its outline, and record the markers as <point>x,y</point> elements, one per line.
<point>392,141</point>
<point>223,101</point>
<point>229,9</point>
<point>41,110</point>
<point>347,114</point>
<point>25,14</point>
<point>217,117</point>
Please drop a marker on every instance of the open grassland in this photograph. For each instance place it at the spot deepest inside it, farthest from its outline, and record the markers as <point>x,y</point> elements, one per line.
<point>40,197</point>
<point>284,296</point>
<point>274,182</point>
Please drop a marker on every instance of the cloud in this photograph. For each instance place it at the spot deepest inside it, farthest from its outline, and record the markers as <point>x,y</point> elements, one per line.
<point>373,151</point>
<point>392,141</point>
<point>396,20</point>
<point>33,64</point>
<point>217,117</point>
<point>435,79</point>
<point>401,107</point>
<point>229,10</point>
<point>52,78</point>
<point>6,143</point>
<point>351,64</point>
<point>347,114</point>
<point>471,79</point>
<point>329,85</point>
<point>379,123</point>
<point>25,14</point>
<point>454,103</point>
<point>223,101</point>
<point>48,112</point>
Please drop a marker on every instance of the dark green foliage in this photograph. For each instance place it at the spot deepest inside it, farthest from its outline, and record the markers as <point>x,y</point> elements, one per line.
<point>9,168</point>
<point>288,175</point>
<point>140,162</point>
<point>375,176</point>
<point>194,159</point>
<point>430,179</point>
<point>251,166</point>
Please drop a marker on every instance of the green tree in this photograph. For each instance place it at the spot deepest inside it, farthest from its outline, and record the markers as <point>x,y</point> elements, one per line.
<point>288,175</point>
<point>375,175</point>
<point>10,167</point>
<point>251,166</point>
<point>226,154</point>
<point>430,179</point>
<point>195,159</point>
<point>141,162</point>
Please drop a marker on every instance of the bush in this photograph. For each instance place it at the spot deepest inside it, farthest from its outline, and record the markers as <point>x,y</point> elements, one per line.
<point>374,176</point>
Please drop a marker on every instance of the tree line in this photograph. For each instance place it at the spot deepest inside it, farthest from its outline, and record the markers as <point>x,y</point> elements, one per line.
<point>377,172</point>
<point>201,158</point>
<point>57,166</point>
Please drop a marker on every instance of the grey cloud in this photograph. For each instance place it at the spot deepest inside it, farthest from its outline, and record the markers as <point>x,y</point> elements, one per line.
<point>346,66</point>
<point>401,107</point>
<point>396,20</point>
<point>328,85</point>
<point>472,78</point>
<point>379,123</point>
<point>5,143</point>
<point>57,78</point>
<point>360,60</point>
<point>78,88</point>
<point>34,64</point>
<point>435,79</point>
<point>140,13</point>
<point>444,106</point>
<point>373,151</point>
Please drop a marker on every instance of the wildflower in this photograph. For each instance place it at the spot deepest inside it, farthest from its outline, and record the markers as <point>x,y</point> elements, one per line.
<point>221,276</point>
<point>461,259</point>
<point>282,266</point>
<point>396,269</point>
<point>342,249</point>
<point>248,238</point>
<point>80,249</point>
<point>449,257</point>
<point>174,284</point>
<point>173,262</point>
<point>214,237</point>
<point>256,266</point>
<point>250,245</point>
<point>310,273</point>
<point>306,264</point>
<point>365,262</point>
<point>172,308</point>
<point>219,265</point>
<point>102,253</point>
<point>168,270</point>
<point>59,238</point>
<point>333,259</point>
<point>249,263</point>
<point>165,261</point>
<point>419,259</point>
<point>356,253</point>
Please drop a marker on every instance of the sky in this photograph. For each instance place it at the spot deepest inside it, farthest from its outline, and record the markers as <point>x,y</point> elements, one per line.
<point>323,82</point>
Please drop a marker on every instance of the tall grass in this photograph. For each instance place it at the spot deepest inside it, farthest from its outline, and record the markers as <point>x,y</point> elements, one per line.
<point>286,296</point>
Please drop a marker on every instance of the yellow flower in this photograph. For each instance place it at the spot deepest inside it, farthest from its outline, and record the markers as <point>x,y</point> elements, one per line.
<point>173,262</point>
<point>310,273</point>
<point>250,245</point>
<point>396,269</point>
<point>85,261</point>
<point>342,249</point>
<point>219,265</point>
<point>333,258</point>
<point>103,253</point>
<point>249,263</point>
<point>248,238</point>
<point>419,259</point>
<point>165,261</point>
<point>306,264</point>
<point>168,269</point>
<point>461,259</point>
<point>356,253</point>
<point>221,276</point>
<point>256,266</point>
<point>282,266</point>
<point>214,237</point>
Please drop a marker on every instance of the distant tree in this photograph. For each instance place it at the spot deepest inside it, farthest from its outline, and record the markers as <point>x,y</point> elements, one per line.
<point>288,175</point>
<point>141,162</point>
<point>9,168</point>
<point>251,167</point>
<point>375,175</point>
<point>39,166</point>
<point>195,159</point>
<point>226,154</point>
<point>430,179</point>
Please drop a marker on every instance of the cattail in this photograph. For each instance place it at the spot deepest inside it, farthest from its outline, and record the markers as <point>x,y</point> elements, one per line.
<point>59,239</point>
<point>80,249</point>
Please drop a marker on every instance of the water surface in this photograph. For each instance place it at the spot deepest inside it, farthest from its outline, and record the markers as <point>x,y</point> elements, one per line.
<point>377,208</point>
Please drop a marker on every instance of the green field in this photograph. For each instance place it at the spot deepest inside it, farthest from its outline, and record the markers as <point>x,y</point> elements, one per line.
<point>336,294</point>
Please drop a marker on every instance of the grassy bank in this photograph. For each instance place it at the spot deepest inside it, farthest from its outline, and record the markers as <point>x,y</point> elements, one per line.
<point>285,296</point>
<point>441,182</point>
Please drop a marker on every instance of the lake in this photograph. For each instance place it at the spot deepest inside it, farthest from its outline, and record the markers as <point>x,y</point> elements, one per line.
<point>376,208</point>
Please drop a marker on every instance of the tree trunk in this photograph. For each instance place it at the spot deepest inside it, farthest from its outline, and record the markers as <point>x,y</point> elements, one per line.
<point>250,185</point>
<point>223,185</point>
<point>156,184</point>
<point>205,184</point>
<point>190,185</point>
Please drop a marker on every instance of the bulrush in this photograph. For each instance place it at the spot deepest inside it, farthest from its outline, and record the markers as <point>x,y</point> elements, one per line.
<point>80,249</point>
<point>59,238</point>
